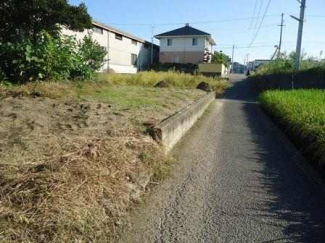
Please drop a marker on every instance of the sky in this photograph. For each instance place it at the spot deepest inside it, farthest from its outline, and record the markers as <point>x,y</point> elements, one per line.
<point>230,22</point>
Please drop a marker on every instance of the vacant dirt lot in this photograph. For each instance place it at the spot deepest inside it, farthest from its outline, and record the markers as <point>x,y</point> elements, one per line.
<point>75,159</point>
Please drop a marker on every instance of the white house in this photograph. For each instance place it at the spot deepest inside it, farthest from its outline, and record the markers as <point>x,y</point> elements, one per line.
<point>185,45</point>
<point>126,53</point>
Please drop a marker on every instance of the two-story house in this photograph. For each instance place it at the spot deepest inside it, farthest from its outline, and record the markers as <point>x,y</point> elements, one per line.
<point>126,53</point>
<point>185,45</point>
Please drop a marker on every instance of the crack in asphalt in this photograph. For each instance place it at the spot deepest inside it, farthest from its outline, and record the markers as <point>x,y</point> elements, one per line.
<point>237,179</point>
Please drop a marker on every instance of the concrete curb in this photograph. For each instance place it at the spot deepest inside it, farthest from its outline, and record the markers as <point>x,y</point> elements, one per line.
<point>169,131</point>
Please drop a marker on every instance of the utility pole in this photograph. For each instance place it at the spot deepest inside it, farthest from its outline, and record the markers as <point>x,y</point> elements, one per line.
<point>276,51</point>
<point>281,34</point>
<point>300,32</point>
<point>152,36</point>
<point>232,58</point>
<point>247,61</point>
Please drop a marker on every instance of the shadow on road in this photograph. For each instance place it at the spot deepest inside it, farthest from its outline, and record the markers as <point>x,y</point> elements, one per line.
<point>294,198</point>
<point>240,90</point>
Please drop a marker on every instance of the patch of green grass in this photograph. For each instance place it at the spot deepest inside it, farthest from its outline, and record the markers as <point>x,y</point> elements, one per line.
<point>137,97</point>
<point>302,114</point>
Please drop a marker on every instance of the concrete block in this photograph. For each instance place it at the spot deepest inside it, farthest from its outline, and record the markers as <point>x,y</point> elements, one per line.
<point>169,131</point>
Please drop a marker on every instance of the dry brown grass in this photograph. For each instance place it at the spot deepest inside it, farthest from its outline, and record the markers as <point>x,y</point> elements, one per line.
<point>75,158</point>
<point>79,191</point>
<point>69,170</point>
<point>174,79</point>
<point>53,90</point>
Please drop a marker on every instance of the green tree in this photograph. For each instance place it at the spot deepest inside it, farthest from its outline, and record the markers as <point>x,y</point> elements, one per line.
<point>50,58</point>
<point>26,19</point>
<point>221,58</point>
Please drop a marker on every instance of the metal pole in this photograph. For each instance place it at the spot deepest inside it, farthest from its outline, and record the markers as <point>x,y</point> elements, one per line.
<point>281,34</point>
<point>300,32</point>
<point>276,50</point>
<point>232,59</point>
<point>152,32</point>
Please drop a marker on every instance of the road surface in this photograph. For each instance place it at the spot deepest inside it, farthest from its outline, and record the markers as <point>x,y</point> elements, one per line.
<point>237,179</point>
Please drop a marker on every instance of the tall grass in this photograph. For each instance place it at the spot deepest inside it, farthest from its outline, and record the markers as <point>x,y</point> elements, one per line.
<point>143,79</point>
<point>174,79</point>
<point>302,114</point>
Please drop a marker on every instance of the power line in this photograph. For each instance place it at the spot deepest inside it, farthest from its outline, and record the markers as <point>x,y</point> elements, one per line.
<point>259,28</point>
<point>259,14</point>
<point>254,12</point>
<point>316,16</point>
<point>265,44</point>
<point>247,47</point>
<point>199,22</point>
<point>267,27</point>
<point>257,20</point>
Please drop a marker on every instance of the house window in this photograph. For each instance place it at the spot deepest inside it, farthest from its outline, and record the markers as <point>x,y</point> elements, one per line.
<point>176,60</point>
<point>134,42</point>
<point>169,42</point>
<point>134,59</point>
<point>118,36</point>
<point>98,30</point>
<point>194,42</point>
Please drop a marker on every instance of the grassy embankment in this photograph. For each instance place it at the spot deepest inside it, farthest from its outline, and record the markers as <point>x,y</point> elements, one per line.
<point>75,156</point>
<point>301,113</point>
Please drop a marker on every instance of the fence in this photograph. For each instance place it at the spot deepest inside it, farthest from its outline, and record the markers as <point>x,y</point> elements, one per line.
<point>308,79</point>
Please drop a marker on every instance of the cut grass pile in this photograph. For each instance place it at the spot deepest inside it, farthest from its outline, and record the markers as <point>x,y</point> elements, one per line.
<point>75,158</point>
<point>302,115</point>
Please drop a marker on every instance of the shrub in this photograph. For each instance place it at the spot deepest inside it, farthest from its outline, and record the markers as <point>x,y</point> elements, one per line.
<point>301,114</point>
<point>221,58</point>
<point>90,57</point>
<point>180,67</point>
<point>285,64</point>
<point>52,58</point>
<point>282,65</point>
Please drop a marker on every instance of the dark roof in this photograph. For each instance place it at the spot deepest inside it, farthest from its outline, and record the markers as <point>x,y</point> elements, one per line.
<point>184,31</point>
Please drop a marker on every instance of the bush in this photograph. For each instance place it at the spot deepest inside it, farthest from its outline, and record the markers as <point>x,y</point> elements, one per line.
<point>2,76</point>
<point>301,114</point>
<point>285,64</point>
<point>179,67</point>
<point>90,57</point>
<point>50,58</point>
<point>282,65</point>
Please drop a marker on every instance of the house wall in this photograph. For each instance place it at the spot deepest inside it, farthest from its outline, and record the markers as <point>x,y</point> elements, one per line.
<point>183,51</point>
<point>181,57</point>
<point>119,57</point>
<point>183,43</point>
<point>119,54</point>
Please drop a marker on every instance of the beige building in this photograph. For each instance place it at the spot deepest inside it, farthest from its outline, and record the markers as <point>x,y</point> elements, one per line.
<point>213,69</point>
<point>126,53</point>
<point>185,45</point>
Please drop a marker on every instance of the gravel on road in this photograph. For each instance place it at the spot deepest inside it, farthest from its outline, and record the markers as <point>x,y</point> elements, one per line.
<point>237,179</point>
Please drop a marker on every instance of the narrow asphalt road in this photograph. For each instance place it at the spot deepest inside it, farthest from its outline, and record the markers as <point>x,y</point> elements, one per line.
<point>237,179</point>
